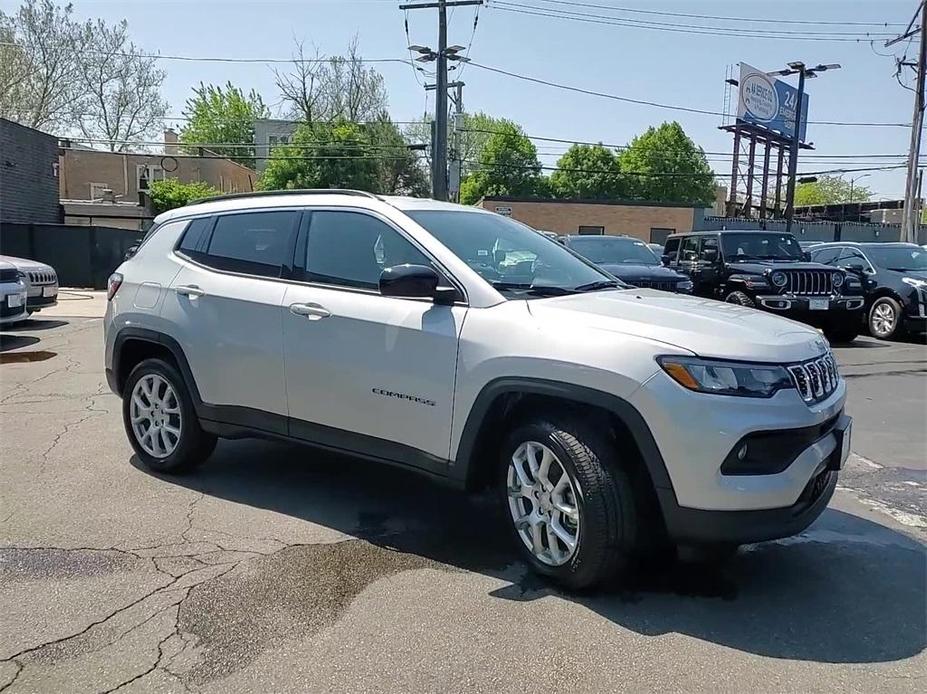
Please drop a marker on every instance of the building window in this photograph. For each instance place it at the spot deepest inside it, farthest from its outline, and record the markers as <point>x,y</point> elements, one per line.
<point>659,234</point>
<point>276,141</point>
<point>96,190</point>
<point>591,231</point>
<point>146,173</point>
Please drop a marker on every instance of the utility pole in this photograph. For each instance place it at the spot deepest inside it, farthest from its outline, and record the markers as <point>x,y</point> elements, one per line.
<point>442,55</point>
<point>909,221</point>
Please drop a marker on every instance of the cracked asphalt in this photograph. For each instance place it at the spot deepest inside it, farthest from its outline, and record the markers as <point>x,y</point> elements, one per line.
<point>276,568</point>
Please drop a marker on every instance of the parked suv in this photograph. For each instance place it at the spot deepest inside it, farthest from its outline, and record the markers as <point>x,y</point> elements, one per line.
<point>768,270</point>
<point>12,295</point>
<point>894,278</point>
<point>609,422</point>
<point>630,260</point>
<point>41,282</point>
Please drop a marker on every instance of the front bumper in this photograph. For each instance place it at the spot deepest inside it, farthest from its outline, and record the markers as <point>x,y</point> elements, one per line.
<point>42,296</point>
<point>790,303</point>
<point>12,314</point>
<point>695,433</point>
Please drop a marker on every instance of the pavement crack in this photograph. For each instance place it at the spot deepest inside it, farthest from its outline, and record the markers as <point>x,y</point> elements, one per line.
<point>157,662</point>
<point>19,669</point>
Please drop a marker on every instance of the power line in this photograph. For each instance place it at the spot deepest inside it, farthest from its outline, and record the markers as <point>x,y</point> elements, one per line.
<point>644,102</point>
<point>675,28</point>
<point>759,20</point>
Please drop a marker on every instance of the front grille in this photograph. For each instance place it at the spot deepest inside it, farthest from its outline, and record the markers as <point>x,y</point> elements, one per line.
<point>10,275</point>
<point>662,285</point>
<point>42,277</point>
<point>816,379</point>
<point>809,282</point>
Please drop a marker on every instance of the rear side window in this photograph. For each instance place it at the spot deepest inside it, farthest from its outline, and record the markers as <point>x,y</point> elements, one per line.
<point>689,248</point>
<point>828,256</point>
<point>194,238</point>
<point>256,243</point>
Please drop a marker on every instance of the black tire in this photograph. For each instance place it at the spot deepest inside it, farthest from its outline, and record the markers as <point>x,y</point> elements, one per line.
<point>194,445</point>
<point>741,299</point>
<point>608,506</point>
<point>844,333</point>
<point>879,308</point>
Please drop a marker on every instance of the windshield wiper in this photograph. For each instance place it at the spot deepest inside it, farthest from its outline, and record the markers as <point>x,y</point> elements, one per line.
<point>536,289</point>
<point>601,284</point>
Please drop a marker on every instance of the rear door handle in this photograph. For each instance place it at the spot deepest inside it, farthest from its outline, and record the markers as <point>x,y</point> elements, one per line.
<point>190,290</point>
<point>310,311</point>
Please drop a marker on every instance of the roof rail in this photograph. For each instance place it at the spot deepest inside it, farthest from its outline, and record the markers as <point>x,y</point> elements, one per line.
<point>282,193</point>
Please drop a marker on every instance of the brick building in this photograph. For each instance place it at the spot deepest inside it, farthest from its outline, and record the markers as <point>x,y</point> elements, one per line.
<point>28,175</point>
<point>651,222</point>
<point>86,173</point>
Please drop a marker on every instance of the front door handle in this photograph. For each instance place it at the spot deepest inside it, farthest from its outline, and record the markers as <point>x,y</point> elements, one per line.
<point>310,311</point>
<point>190,290</point>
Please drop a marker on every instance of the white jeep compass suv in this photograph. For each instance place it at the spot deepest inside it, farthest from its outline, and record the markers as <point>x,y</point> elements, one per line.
<point>461,344</point>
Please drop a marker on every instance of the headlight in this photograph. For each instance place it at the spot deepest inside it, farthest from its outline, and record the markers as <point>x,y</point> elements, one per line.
<point>837,279</point>
<point>684,286</point>
<point>778,279</point>
<point>726,377</point>
<point>915,282</point>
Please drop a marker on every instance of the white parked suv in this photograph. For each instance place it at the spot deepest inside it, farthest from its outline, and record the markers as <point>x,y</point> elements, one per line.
<point>453,341</point>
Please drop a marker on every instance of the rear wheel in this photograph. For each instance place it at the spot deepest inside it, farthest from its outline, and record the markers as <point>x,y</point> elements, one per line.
<point>846,332</point>
<point>885,318</point>
<point>160,419</point>
<point>741,299</point>
<point>570,506</point>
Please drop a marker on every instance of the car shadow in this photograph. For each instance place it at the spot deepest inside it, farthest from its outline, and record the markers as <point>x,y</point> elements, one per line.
<point>8,342</point>
<point>35,324</point>
<point>846,591</point>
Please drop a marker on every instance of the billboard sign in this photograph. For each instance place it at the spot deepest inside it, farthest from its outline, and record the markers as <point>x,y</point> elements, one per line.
<point>769,102</point>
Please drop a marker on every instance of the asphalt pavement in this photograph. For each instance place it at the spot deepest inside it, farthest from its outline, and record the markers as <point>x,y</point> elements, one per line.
<point>278,568</point>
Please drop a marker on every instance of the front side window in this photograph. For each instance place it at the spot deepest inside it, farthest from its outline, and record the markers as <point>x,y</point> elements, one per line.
<point>351,249</point>
<point>900,258</point>
<point>760,246</point>
<point>509,255</point>
<point>670,249</point>
<point>256,243</point>
<point>827,256</point>
<point>708,252</point>
<point>615,251</point>
<point>689,251</point>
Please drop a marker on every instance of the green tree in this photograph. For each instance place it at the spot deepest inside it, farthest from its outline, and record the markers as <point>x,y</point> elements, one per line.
<point>171,193</point>
<point>508,165</point>
<point>401,170</point>
<point>828,190</point>
<point>588,171</point>
<point>665,165</point>
<point>226,115</point>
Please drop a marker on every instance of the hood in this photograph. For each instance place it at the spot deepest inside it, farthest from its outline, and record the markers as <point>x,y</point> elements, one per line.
<point>24,264</point>
<point>916,274</point>
<point>629,272</point>
<point>705,327</point>
<point>759,267</point>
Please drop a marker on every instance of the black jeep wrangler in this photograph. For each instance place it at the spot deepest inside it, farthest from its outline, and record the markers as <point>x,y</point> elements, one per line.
<point>769,271</point>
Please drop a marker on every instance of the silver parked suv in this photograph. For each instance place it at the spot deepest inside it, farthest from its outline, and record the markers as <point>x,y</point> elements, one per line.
<point>610,421</point>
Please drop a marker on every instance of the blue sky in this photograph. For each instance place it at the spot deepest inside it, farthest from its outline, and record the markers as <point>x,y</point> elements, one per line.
<point>668,67</point>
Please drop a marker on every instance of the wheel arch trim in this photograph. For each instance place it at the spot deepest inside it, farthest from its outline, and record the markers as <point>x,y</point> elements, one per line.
<point>464,467</point>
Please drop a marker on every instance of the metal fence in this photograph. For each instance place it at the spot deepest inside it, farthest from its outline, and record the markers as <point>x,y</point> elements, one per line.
<point>83,256</point>
<point>809,230</point>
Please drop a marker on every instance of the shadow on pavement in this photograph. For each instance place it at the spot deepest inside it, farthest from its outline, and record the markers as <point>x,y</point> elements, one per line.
<point>35,324</point>
<point>847,591</point>
<point>8,342</point>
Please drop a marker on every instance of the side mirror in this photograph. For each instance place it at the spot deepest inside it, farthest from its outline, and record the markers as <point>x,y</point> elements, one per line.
<point>805,257</point>
<point>711,257</point>
<point>856,267</point>
<point>665,259</point>
<point>130,251</point>
<point>415,282</point>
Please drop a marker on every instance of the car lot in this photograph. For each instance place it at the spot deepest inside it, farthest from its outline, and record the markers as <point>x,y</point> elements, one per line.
<point>275,568</point>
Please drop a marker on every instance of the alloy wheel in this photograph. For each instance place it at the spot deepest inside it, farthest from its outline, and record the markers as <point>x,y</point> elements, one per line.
<point>883,319</point>
<point>543,502</point>
<point>155,415</point>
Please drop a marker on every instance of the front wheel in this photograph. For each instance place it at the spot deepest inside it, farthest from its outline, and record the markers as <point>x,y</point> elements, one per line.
<point>160,419</point>
<point>569,504</point>
<point>741,299</point>
<point>885,318</point>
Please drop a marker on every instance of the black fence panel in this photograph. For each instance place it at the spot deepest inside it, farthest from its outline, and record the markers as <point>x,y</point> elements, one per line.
<point>83,256</point>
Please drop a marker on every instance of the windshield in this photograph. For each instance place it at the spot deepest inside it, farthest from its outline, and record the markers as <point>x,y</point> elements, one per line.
<point>898,257</point>
<point>507,254</point>
<point>754,246</point>
<point>614,251</point>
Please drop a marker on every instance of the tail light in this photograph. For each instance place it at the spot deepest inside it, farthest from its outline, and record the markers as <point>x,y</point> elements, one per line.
<point>112,285</point>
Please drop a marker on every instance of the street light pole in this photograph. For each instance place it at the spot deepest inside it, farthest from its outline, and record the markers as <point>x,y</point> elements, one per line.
<point>793,153</point>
